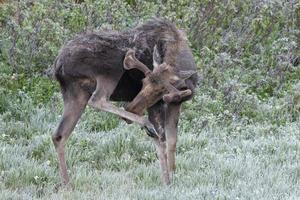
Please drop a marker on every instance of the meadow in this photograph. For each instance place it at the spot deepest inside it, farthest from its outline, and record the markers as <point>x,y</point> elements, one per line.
<point>239,138</point>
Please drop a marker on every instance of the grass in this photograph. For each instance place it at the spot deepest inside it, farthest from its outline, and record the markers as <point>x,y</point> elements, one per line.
<point>239,137</point>
<point>118,161</point>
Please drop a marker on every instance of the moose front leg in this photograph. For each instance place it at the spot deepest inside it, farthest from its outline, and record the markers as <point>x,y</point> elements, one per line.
<point>157,114</point>
<point>171,128</point>
<point>162,157</point>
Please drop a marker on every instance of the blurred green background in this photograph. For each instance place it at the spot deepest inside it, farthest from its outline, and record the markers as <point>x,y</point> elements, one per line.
<point>239,136</point>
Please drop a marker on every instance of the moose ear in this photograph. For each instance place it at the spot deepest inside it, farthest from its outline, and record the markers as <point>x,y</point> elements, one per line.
<point>157,60</point>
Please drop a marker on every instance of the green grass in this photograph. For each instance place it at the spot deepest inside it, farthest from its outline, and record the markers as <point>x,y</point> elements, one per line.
<point>254,161</point>
<point>239,137</point>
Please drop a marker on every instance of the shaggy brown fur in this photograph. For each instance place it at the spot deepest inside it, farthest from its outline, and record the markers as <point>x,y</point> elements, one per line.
<point>90,71</point>
<point>88,55</point>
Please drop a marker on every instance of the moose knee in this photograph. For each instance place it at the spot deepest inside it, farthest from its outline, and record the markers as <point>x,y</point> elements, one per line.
<point>56,139</point>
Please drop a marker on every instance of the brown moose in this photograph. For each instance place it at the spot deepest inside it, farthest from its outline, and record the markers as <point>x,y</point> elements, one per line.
<point>95,68</point>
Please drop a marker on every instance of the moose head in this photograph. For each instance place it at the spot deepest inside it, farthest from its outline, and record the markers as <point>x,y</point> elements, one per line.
<point>164,82</point>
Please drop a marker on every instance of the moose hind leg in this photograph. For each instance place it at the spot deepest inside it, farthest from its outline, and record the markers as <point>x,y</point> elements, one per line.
<point>105,87</point>
<point>73,108</point>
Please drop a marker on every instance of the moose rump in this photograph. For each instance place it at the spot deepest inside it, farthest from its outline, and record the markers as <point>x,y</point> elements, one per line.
<point>87,56</point>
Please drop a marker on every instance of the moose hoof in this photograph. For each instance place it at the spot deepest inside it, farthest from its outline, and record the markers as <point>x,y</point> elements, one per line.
<point>150,130</point>
<point>126,120</point>
<point>61,186</point>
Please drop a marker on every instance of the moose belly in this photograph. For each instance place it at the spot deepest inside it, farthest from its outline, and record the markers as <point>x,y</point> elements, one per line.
<point>128,87</point>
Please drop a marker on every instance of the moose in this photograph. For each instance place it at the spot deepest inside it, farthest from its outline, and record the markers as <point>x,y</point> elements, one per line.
<point>150,66</point>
